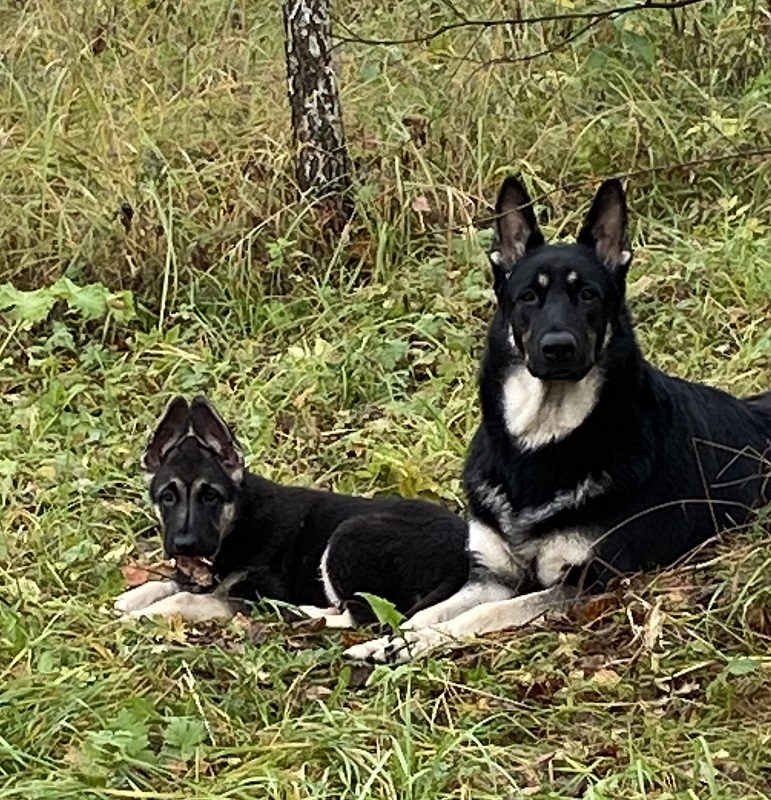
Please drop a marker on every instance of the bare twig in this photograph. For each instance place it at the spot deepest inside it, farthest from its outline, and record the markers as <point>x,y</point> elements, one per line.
<point>464,22</point>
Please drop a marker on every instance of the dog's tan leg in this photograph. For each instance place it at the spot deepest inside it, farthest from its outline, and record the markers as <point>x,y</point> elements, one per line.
<point>145,595</point>
<point>332,616</point>
<point>192,607</point>
<point>340,621</point>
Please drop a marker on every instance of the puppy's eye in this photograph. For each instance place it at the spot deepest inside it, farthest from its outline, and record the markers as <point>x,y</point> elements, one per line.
<point>209,496</point>
<point>528,296</point>
<point>168,497</point>
<point>588,294</point>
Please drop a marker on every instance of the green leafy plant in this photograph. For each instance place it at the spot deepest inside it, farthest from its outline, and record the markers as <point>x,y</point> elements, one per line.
<point>85,303</point>
<point>385,611</point>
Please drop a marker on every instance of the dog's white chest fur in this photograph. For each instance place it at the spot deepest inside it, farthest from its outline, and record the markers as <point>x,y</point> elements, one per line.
<point>537,412</point>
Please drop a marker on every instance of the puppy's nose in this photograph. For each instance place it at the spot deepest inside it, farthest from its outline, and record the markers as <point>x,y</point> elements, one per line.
<point>558,346</point>
<point>185,545</point>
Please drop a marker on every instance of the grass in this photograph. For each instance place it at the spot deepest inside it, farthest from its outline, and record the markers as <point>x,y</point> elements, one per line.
<point>351,364</point>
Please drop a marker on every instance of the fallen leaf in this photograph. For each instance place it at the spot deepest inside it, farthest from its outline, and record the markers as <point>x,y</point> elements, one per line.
<point>606,677</point>
<point>759,619</point>
<point>317,692</point>
<point>359,675</point>
<point>593,607</point>
<point>134,576</point>
<point>260,632</point>
<point>309,624</point>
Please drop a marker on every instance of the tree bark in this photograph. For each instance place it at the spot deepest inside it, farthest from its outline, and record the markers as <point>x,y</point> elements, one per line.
<point>322,165</point>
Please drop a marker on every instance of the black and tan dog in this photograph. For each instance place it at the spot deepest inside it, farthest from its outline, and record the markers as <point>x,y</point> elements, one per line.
<point>237,536</point>
<point>588,461</point>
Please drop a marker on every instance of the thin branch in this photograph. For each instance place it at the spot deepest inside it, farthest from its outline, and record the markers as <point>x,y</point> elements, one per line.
<point>464,22</point>
<point>564,42</point>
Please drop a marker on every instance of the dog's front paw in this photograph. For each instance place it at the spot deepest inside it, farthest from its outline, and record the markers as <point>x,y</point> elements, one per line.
<point>145,595</point>
<point>374,651</point>
<point>398,649</point>
<point>191,607</point>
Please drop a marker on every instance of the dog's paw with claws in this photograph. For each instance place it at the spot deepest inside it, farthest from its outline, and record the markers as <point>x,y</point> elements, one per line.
<point>399,649</point>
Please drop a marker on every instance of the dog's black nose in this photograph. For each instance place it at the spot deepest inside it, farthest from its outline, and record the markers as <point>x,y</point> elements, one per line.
<point>558,346</point>
<point>186,546</point>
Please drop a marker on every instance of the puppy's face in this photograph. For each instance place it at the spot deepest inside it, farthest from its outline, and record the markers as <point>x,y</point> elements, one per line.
<point>194,499</point>
<point>196,471</point>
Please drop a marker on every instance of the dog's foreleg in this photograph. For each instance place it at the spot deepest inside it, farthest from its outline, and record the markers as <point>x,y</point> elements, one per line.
<point>472,594</point>
<point>468,596</point>
<point>145,595</point>
<point>485,618</point>
<point>341,621</point>
<point>512,613</point>
<point>191,607</point>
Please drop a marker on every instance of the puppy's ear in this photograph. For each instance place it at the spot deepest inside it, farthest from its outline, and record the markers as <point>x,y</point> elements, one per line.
<point>516,229</point>
<point>211,429</point>
<point>173,427</point>
<point>605,229</point>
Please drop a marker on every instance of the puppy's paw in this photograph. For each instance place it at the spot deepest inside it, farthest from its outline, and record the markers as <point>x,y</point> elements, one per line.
<point>315,612</point>
<point>191,607</point>
<point>333,617</point>
<point>145,595</point>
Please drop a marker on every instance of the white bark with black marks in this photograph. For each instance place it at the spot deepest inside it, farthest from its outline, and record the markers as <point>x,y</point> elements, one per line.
<point>321,162</point>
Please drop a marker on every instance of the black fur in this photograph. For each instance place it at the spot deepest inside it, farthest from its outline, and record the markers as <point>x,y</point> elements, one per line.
<point>410,552</point>
<point>678,461</point>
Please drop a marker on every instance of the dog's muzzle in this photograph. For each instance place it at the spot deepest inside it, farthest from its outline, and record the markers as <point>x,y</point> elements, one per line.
<point>559,356</point>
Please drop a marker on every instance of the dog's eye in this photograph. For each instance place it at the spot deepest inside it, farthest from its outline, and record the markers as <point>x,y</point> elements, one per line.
<point>168,497</point>
<point>209,496</point>
<point>587,293</point>
<point>528,296</point>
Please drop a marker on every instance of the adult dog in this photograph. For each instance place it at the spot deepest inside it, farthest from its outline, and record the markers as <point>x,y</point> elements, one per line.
<point>589,461</point>
<point>238,536</point>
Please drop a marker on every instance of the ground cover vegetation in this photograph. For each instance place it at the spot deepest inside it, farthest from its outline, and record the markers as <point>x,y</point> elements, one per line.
<point>152,242</point>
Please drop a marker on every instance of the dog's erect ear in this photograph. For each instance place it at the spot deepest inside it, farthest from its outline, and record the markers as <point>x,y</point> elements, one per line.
<point>605,228</point>
<point>210,428</point>
<point>516,229</point>
<point>173,427</point>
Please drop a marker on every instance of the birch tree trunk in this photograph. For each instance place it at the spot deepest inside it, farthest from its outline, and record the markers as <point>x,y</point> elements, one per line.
<point>321,161</point>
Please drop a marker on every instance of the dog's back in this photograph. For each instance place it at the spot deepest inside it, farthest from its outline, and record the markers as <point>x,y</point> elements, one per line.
<point>688,462</point>
<point>398,548</point>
